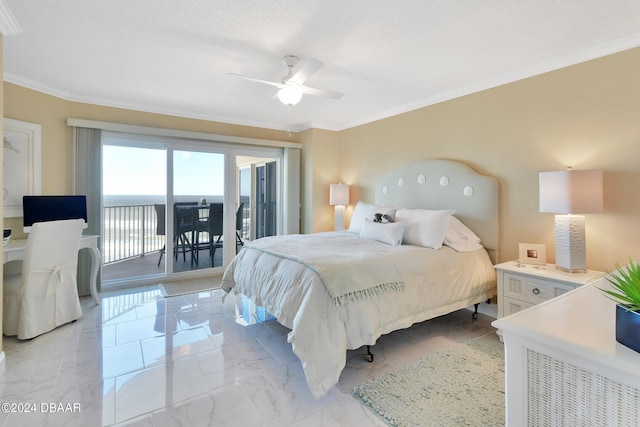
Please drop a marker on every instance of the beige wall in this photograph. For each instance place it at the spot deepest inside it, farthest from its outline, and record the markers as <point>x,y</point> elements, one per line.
<point>586,116</point>
<point>320,167</point>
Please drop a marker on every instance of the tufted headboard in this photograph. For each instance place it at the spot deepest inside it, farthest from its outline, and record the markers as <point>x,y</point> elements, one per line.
<point>447,184</point>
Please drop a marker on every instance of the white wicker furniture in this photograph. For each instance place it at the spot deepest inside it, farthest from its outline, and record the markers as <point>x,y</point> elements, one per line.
<point>564,367</point>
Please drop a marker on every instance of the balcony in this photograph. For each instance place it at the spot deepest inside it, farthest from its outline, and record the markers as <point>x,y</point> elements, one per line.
<point>132,248</point>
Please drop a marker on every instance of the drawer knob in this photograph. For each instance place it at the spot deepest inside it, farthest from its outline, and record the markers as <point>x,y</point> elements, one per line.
<point>536,291</point>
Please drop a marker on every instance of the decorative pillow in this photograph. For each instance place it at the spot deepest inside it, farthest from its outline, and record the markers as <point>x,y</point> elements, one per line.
<point>389,233</point>
<point>424,227</point>
<point>364,211</point>
<point>460,237</point>
<point>382,218</point>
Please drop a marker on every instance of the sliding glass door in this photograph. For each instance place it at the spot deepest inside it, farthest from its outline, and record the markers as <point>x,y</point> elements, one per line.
<point>177,209</point>
<point>133,198</point>
<point>259,196</point>
<point>198,210</point>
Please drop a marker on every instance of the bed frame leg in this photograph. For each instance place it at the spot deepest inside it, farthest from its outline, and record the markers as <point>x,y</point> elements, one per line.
<point>475,313</point>
<point>369,355</point>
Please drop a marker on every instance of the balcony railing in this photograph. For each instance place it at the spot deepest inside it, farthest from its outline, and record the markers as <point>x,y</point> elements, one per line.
<point>130,231</point>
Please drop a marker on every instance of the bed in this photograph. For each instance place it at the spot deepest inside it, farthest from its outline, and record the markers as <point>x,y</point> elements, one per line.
<point>342,290</point>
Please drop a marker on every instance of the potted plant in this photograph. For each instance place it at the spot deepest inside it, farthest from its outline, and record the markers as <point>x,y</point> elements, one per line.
<point>626,293</point>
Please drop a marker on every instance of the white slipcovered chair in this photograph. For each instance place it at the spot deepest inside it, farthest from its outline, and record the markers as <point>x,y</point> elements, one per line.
<point>44,296</point>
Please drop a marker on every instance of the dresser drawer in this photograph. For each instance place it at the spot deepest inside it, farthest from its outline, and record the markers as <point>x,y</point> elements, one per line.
<point>532,290</point>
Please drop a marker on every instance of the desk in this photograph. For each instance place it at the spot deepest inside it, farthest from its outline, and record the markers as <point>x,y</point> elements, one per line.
<point>14,251</point>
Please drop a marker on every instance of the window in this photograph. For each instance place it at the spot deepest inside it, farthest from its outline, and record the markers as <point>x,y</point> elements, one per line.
<point>234,175</point>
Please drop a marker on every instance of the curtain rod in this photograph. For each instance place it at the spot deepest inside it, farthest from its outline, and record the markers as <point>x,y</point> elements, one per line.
<point>149,130</point>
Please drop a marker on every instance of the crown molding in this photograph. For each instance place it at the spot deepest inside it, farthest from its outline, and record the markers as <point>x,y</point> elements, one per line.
<point>166,132</point>
<point>574,58</point>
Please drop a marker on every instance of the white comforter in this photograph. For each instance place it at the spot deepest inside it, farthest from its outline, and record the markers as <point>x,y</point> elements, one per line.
<point>437,282</point>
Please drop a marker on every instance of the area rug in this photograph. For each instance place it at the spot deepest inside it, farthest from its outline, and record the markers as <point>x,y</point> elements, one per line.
<point>462,386</point>
<point>184,287</point>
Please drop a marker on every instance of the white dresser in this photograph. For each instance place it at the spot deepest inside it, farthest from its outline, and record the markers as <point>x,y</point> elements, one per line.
<point>564,367</point>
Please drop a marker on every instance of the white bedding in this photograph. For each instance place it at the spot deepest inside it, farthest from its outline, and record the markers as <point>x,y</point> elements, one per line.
<point>437,282</point>
<point>370,273</point>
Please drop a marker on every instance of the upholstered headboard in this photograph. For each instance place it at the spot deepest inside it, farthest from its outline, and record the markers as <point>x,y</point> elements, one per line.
<point>447,184</point>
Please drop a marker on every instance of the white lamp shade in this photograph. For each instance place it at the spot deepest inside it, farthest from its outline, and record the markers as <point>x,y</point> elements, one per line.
<point>571,192</point>
<point>290,94</point>
<point>338,194</point>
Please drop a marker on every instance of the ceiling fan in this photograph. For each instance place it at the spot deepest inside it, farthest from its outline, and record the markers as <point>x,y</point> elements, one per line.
<point>292,87</point>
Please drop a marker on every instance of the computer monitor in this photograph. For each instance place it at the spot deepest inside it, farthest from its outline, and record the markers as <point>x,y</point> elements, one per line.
<point>52,208</point>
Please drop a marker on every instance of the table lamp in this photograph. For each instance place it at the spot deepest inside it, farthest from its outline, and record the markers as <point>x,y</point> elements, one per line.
<point>569,194</point>
<point>339,197</point>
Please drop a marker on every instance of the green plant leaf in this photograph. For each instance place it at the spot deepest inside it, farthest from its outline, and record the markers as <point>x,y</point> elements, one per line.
<point>626,284</point>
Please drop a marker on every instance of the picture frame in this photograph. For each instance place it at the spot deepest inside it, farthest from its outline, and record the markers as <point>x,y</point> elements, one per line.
<point>22,164</point>
<point>532,254</point>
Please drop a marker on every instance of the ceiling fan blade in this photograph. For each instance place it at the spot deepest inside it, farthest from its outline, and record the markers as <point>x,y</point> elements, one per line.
<point>255,79</point>
<point>321,92</point>
<point>309,67</point>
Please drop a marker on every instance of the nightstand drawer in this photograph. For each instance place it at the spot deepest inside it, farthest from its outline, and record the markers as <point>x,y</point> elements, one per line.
<point>532,290</point>
<point>511,306</point>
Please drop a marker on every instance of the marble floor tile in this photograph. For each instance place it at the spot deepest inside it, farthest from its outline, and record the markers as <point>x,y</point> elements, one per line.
<point>202,359</point>
<point>157,387</point>
<point>176,345</point>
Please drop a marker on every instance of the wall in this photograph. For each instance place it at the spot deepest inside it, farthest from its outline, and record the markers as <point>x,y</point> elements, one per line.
<point>585,116</point>
<point>320,168</point>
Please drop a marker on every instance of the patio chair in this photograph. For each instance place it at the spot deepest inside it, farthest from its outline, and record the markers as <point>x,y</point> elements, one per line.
<point>212,226</point>
<point>183,229</point>
<point>160,226</point>
<point>239,218</point>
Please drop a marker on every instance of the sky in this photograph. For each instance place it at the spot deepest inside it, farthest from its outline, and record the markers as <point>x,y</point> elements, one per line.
<point>143,171</point>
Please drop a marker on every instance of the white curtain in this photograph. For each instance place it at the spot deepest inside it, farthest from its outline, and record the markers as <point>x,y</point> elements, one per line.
<point>88,182</point>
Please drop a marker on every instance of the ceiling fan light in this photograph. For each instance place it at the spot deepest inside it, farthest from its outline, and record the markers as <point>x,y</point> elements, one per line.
<point>290,94</point>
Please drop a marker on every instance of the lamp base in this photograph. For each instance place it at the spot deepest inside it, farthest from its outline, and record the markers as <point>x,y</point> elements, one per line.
<point>570,244</point>
<point>566,270</point>
<point>339,218</point>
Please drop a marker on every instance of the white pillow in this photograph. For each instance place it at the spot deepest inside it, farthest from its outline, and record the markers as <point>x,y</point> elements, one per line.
<point>364,211</point>
<point>460,237</point>
<point>424,227</point>
<point>389,233</point>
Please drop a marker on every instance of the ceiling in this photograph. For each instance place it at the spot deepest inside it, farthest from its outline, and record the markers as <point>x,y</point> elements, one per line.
<point>386,57</point>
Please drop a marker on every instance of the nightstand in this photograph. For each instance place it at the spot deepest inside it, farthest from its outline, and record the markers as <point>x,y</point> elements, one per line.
<point>522,286</point>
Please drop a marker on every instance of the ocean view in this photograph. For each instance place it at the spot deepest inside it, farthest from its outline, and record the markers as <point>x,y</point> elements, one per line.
<point>134,200</point>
